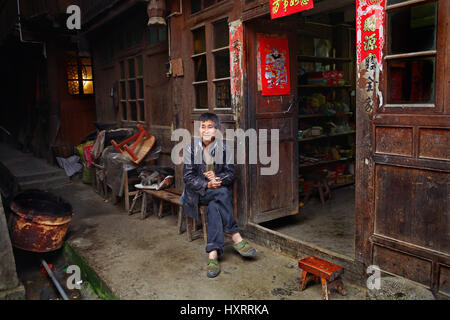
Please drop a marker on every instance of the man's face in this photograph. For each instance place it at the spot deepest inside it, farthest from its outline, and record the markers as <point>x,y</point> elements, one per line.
<point>207,131</point>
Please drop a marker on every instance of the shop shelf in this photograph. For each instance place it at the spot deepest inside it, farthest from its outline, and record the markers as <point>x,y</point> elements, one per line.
<point>318,163</point>
<point>325,136</point>
<point>346,86</point>
<point>320,115</point>
<point>328,60</point>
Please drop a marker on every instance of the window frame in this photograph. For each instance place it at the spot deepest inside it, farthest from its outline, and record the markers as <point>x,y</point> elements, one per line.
<point>79,78</point>
<point>127,100</point>
<point>202,6</point>
<point>438,53</point>
<point>210,55</point>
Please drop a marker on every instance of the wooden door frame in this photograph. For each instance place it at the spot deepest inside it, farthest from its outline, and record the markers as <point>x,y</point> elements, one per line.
<point>250,34</point>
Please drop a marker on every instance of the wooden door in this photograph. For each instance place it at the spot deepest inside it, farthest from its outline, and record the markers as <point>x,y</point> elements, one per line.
<point>273,196</point>
<point>403,154</point>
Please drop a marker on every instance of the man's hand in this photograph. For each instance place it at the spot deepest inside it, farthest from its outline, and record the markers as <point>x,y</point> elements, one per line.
<point>210,175</point>
<point>214,184</point>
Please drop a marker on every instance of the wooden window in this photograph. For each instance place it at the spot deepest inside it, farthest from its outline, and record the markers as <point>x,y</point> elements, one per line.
<point>411,54</point>
<point>200,69</point>
<point>198,5</point>
<point>80,80</point>
<point>214,78</point>
<point>221,54</point>
<point>157,35</point>
<point>131,89</point>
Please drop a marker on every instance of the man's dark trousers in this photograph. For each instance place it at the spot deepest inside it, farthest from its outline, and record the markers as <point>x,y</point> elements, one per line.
<point>220,217</point>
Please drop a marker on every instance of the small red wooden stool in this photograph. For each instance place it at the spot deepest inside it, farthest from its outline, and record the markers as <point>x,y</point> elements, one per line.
<point>328,273</point>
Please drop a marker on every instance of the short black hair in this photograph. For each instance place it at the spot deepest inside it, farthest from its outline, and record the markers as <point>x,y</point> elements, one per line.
<point>210,116</point>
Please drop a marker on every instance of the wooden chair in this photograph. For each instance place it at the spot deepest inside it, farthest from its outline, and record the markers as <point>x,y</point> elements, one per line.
<point>191,225</point>
<point>317,180</point>
<point>328,273</point>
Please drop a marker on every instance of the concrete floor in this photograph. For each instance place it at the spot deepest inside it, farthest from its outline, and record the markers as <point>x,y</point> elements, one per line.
<point>331,226</point>
<point>148,259</point>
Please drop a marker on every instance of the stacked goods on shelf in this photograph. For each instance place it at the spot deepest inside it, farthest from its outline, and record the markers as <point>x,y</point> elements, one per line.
<point>317,103</point>
<point>330,78</point>
<point>338,174</point>
<point>309,156</point>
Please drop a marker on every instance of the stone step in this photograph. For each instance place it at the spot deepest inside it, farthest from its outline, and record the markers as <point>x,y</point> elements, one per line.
<point>41,175</point>
<point>45,184</point>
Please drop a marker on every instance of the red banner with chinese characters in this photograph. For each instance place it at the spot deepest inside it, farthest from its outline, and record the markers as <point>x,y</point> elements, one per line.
<point>369,28</point>
<point>282,8</point>
<point>275,76</point>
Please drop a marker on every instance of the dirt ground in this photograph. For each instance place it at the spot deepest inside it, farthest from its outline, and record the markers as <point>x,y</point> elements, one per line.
<point>148,259</point>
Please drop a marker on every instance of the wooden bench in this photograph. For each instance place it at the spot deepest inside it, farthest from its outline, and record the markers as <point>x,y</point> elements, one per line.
<point>173,196</point>
<point>328,273</point>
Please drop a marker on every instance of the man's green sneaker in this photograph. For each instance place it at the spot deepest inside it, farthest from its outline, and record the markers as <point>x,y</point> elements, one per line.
<point>213,268</point>
<point>244,249</point>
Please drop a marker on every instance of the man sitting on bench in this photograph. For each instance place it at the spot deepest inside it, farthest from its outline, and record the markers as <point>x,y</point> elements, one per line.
<point>208,180</point>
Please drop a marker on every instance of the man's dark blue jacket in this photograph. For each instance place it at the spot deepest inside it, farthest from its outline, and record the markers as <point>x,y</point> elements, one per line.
<point>194,167</point>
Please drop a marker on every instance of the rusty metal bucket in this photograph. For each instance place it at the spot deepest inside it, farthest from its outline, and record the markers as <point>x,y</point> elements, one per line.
<point>39,221</point>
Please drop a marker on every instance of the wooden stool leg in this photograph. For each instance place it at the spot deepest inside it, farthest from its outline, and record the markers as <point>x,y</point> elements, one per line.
<point>138,194</point>
<point>327,188</point>
<point>322,198</point>
<point>155,206</point>
<point>125,190</point>
<point>337,285</point>
<point>144,205</point>
<point>325,293</point>
<point>203,214</point>
<point>160,209</point>
<point>180,219</point>
<point>304,281</point>
<point>308,194</point>
<point>306,278</point>
<point>189,227</point>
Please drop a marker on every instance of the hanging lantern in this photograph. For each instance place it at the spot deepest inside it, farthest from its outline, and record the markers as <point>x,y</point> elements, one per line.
<point>156,10</point>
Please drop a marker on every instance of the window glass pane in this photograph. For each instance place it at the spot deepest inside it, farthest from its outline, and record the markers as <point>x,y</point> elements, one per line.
<point>153,35</point>
<point>199,40</point>
<point>141,111</point>
<point>88,87</point>
<point>86,61</point>
<point>71,57</point>
<point>133,111</point>
<point>223,96</point>
<point>201,96</point>
<point>413,29</point>
<point>124,111</point>
<point>123,90</point>
<point>141,88</point>
<point>411,80</point>
<point>222,64</point>
<point>221,34</point>
<point>122,70</point>
<point>73,87</point>
<point>200,68</point>
<point>196,5</point>
<point>132,89</point>
<point>86,72</point>
<point>396,1</point>
<point>208,3</point>
<point>72,72</point>
<point>131,69</point>
<point>162,34</point>
<point>139,65</point>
